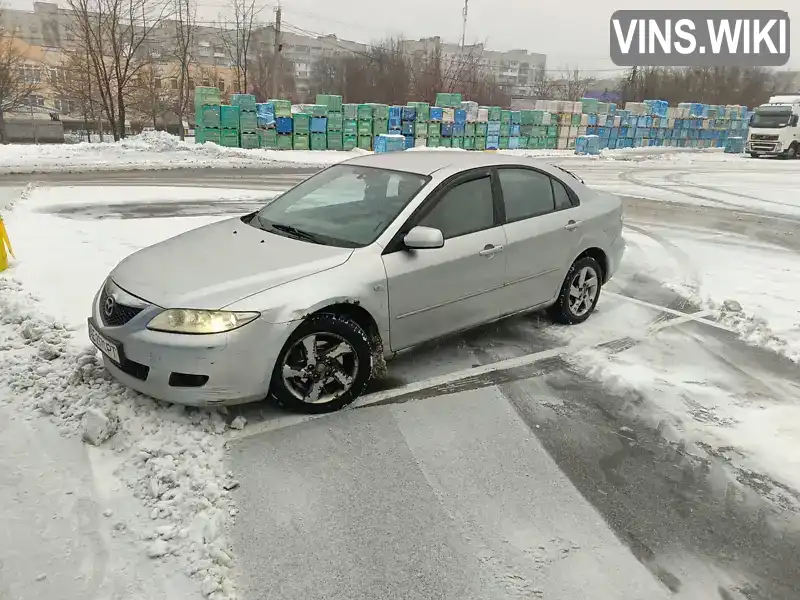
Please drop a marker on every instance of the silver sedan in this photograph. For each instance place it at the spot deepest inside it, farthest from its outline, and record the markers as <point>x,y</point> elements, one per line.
<point>303,300</point>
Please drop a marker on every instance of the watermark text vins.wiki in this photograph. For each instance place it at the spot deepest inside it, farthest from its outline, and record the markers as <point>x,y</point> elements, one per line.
<point>673,38</point>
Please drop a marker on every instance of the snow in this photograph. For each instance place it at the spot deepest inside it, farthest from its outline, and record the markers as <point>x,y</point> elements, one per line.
<point>153,150</point>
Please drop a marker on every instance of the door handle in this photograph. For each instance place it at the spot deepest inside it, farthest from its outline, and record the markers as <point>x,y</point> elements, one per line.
<point>571,225</point>
<point>490,250</point>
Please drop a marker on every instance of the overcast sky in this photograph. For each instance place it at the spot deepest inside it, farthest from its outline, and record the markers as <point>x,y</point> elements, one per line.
<point>575,32</point>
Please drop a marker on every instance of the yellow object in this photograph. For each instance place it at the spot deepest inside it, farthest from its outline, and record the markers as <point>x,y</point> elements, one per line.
<point>4,242</point>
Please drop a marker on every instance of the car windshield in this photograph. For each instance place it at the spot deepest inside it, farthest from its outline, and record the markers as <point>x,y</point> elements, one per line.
<point>771,118</point>
<point>344,205</point>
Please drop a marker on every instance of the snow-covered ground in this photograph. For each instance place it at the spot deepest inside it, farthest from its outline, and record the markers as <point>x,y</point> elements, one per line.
<point>160,476</point>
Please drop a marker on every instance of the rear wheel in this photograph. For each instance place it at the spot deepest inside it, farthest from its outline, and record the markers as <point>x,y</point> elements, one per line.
<point>324,366</point>
<point>579,292</point>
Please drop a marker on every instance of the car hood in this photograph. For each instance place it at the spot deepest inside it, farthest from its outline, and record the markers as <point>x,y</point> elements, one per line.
<point>215,265</point>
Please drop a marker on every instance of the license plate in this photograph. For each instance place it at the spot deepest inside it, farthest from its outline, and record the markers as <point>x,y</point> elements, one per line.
<point>106,346</point>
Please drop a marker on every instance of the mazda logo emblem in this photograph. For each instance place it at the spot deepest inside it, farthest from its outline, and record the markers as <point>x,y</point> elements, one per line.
<point>108,306</point>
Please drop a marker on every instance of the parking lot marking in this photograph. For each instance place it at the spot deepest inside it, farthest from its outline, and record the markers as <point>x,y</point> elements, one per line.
<point>502,365</point>
<point>700,317</point>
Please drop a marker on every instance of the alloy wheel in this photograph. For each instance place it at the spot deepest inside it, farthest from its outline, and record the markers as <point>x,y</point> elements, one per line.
<point>319,368</point>
<point>583,291</point>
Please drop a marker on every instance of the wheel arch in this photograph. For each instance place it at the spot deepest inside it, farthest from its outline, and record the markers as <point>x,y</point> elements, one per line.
<point>600,256</point>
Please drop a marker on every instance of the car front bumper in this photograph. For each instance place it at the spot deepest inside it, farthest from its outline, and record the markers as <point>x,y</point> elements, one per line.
<point>767,148</point>
<point>195,370</point>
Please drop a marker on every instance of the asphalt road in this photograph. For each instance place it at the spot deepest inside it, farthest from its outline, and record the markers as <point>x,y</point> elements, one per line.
<point>531,482</point>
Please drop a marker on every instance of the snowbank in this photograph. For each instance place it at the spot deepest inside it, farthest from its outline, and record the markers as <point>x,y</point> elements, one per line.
<point>153,150</point>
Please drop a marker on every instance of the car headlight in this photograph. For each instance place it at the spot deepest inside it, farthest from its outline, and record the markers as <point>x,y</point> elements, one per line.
<point>189,321</point>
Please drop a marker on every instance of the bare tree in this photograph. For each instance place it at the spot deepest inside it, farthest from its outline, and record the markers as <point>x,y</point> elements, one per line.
<point>543,85</point>
<point>148,95</point>
<point>15,87</point>
<point>115,34</point>
<point>573,84</point>
<point>74,82</point>
<point>185,26</point>
<point>260,73</point>
<point>238,40</point>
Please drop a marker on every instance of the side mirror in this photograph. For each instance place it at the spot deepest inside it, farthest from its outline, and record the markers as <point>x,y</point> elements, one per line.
<point>423,237</point>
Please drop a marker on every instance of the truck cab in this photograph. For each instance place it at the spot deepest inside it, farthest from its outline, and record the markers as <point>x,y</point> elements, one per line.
<point>774,129</point>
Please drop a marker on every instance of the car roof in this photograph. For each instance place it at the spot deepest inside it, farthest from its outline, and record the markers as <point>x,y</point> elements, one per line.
<point>427,162</point>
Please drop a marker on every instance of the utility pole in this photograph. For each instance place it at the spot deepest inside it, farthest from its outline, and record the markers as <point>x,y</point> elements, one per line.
<point>276,51</point>
<point>464,26</point>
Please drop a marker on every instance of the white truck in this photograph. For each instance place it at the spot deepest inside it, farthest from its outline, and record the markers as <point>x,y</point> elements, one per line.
<point>774,129</point>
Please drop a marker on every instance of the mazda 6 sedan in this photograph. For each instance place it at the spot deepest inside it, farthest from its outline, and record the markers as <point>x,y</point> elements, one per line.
<point>302,301</point>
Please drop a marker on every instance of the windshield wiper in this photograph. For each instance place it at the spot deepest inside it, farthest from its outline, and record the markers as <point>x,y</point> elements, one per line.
<point>298,233</point>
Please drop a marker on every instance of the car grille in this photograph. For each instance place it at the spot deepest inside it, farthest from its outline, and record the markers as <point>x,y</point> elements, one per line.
<point>763,137</point>
<point>120,313</point>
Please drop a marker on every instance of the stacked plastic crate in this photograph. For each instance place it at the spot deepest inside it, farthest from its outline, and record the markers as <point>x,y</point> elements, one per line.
<point>229,126</point>
<point>422,119</point>
<point>284,124</point>
<point>380,120</point>
<point>248,122</point>
<point>206,111</point>
<point>301,131</point>
<point>265,121</point>
<point>493,127</point>
<point>350,126</point>
<point>434,128</point>
<point>364,126</point>
<point>470,119</point>
<point>335,120</point>
<point>317,126</point>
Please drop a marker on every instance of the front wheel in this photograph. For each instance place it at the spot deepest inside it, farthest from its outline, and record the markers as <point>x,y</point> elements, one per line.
<point>324,365</point>
<point>753,155</point>
<point>579,292</point>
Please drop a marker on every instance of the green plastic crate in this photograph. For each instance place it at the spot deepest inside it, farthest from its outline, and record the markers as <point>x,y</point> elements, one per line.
<point>480,143</point>
<point>364,112</point>
<point>576,120</point>
<point>247,121</point>
<point>207,95</point>
<point>469,130</point>
<point>332,101</point>
<point>350,111</point>
<point>349,142</point>
<point>552,131</point>
<point>365,127</point>
<point>229,117</point>
<point>481,129</point>
<point>380,126</point>
<point>434,129</point>
<point>335,140</point>
<point>203,135</point>
<point>423,110</point>
<point>503,143</point>
<point>300,141</point>
<point>285,141</point>
<point>301,123</point>
<point>515,117</point>
<point>505,129</point>
<point>446,142</point>
<point>350,127</point>
<point>434,141</point>
<point>248,140</point>
<point>505,117</point>
<point>458,142</point>
<point>365,142</point>
<point>244,101</point>
<point>283,108</point>
<point>229,138</point>
<point>550,143</point>
<point>379,111</point>
<point>335,121</point>
<point>469,143</point>
<point>208,116</point>
<point>267,138</point>
<point>319,141</point>
<point>446,100</point>
<point>317,110</point>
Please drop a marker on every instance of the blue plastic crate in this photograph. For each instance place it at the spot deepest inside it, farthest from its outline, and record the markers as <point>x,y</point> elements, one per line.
<point>389,143</point>
<point>319,124</point>
<point>395,121</point>
<point>447,129</point>
<point>460,116</point>
<point>407,127</point>
<point>513,142</point>
<point>409,113</point>
<point>284,124</point>
<point>493,129</point>
<point>515,129</point>
<point>437,113</point>
<point>409,141</point>
<point>591,130</point>
<point>459,129</point>
<point>492,142</point>
<point>396,112</point>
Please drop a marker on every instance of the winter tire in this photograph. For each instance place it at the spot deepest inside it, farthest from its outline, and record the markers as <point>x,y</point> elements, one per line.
<point>324,365</point>
<point>753,155</point>
<point>579,292</point>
